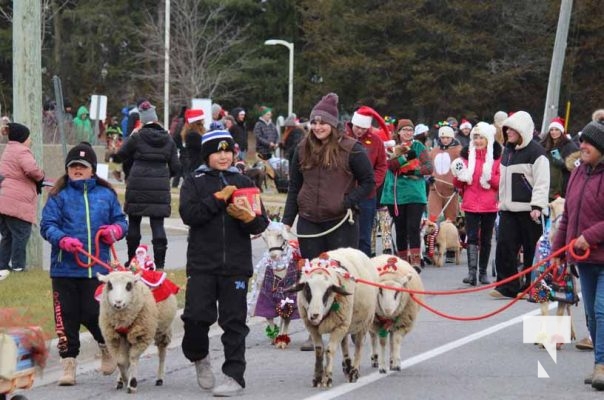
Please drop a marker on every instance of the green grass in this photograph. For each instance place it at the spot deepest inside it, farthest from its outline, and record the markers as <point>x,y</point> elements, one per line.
<point>30,294</point>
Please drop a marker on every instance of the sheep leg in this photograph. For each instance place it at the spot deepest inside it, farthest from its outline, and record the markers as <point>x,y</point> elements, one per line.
<point>457,255</point>
<point>382,357</point>
<point>121,357</point>
<point>319,354</point>
<point>162,341</point>
<point>133,371</point>
<point>335,339</point>
<point>374,350</point>
<point>358,339</point>
<point>346,362</point>
<point>283,331</point>
<point>396,338</point>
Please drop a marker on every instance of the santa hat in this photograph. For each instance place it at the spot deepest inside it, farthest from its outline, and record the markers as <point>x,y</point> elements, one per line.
<point>465,124</point>
<point>487,131</point>
<point>556,123</point>
<point>142,248</point>
<point>194,115</point>
<point>363,117</point>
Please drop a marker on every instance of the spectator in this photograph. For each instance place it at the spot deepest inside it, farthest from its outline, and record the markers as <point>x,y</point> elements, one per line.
<point>176,126</point>
<point>477,178</point>
<point>405,191</point>
<point>523,194</point>
<point>239,131</point>
<point>498,119</point>
<point>154,159</point>
<point>191,134</point>
<point>266,134</point>
<point>292,135</point>
<point>558,148</point>
<point>83,126</point>
<point>583,220</point>
<point>463,136</point>
<point>21,183</point>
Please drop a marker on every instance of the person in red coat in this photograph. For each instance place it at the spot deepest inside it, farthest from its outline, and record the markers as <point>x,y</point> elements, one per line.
<point>476,175</point>
<point>360,128</point>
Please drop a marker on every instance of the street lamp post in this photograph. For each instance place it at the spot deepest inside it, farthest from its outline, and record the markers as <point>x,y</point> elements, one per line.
<point>290,46</point>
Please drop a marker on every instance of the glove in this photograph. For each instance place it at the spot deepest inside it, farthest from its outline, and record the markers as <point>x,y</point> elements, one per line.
<point>411,155</point>
<point>431,180</point>
<point>243,214</point>
<point>70,244</point>
<point>39,185</point>
<point>463,175</point>
<point>226,193</point>
<point>484,183</point>
<point>110,233</point>
<point>456,166</point>
<point>409,168</point>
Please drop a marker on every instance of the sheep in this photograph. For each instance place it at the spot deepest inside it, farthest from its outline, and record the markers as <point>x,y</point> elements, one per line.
<point>395,312</point>
<point>279,266</point>
<point>331,302</point>
<point>130,319</point>
<point>447,238</point>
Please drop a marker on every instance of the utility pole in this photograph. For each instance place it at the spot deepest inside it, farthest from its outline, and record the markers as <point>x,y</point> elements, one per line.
<point>555,71</point>
<point>27,93</point>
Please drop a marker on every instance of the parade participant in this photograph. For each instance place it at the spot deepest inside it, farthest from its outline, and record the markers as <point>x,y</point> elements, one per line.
<point>79,205</point>
<point>404,191</point>
<point>442,193</point>
<point>219,262</point>
<point>477,178</point>
<point>558,148</point>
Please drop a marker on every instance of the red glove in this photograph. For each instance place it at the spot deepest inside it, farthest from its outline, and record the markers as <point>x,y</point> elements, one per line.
<point>70,244</point>
<point>110,233</point>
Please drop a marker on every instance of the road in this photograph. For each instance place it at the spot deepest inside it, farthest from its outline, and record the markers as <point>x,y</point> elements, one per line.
<point>441,358</point>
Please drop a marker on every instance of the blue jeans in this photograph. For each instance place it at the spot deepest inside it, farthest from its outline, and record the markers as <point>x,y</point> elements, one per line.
<point>15,234</point>
<point>592,288</point>
<point>368,209</point>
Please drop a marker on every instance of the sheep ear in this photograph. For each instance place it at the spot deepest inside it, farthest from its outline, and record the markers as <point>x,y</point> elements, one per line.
<point>101,277</point>
<point>340,290</point>
<point>294,288</point>
<point>287,235</point>
<point>137,276</point>
<point>406,279</point>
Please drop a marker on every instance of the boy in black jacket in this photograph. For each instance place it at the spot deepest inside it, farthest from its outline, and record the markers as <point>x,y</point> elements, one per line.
<point>219,262</point>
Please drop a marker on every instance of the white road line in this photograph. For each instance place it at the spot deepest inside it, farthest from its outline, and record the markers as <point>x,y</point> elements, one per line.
<point>376,376</point>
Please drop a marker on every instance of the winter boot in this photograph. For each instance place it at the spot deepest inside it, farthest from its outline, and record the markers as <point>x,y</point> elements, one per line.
<point>132,246</point>
<point>69,372</point>
<point>597,379</point>
<point>159,252</point>
<point>472,265</point>
<point>205,375</point>
<point>108,363</point>
<point>483,263</point>
<point>415,259</point>
<point>230,388</point>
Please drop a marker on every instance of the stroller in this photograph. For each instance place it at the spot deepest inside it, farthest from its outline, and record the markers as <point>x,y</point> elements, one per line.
<point>281,168</point>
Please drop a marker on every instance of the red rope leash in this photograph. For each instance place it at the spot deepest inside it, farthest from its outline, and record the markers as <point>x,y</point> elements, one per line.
<point>413,293</point>
<point>96,257</point>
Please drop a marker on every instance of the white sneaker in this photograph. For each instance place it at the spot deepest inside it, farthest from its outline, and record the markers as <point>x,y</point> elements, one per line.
<point>205,376</point>
<point>4,273</point>
<point>229,388</point>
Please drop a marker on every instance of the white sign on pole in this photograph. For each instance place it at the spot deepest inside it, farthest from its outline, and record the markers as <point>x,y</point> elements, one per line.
<point>206,106</point>
<point>98,107</point>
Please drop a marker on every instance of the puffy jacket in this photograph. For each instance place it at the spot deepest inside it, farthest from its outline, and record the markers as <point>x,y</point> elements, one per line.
<point>583,211</point>
<point>266,133</point>
<point>218,243</point>
<point>78,211</point>
<point>477,199</point>
<point>154,159</point>
<point>18,197</point>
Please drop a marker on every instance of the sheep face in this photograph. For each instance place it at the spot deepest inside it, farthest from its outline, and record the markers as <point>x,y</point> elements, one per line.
<point>119,289</point>
<point>319,291</point>
<point>389,300</point>
<point>276,236</point>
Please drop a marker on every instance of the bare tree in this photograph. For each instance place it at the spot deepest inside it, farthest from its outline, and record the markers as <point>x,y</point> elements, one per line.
<point>201,59</point>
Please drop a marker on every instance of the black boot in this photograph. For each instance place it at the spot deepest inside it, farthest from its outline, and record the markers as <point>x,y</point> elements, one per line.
<point>483,263</point>
<point>159,252</point>
<point>133,244</point>
<point>472,265</point>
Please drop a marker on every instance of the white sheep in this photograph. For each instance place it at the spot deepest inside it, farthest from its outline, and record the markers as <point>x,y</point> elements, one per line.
<point>276,271</point>
<point>395,312</point>
<point>130,319</point>
<point>330,302</point>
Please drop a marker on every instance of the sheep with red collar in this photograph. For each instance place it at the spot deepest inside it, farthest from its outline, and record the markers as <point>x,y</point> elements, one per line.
<point>395,312</point>
<point>331,302</point>
<point>130,319</point>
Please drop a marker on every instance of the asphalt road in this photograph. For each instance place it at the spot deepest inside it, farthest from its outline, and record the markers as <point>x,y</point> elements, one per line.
<point>441,358</point>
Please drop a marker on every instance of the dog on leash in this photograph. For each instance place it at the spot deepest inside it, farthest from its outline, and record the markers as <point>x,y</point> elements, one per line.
<point>447,239</point>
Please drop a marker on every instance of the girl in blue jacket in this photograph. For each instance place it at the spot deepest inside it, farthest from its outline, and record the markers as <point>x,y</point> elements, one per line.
<point>79,205</point>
